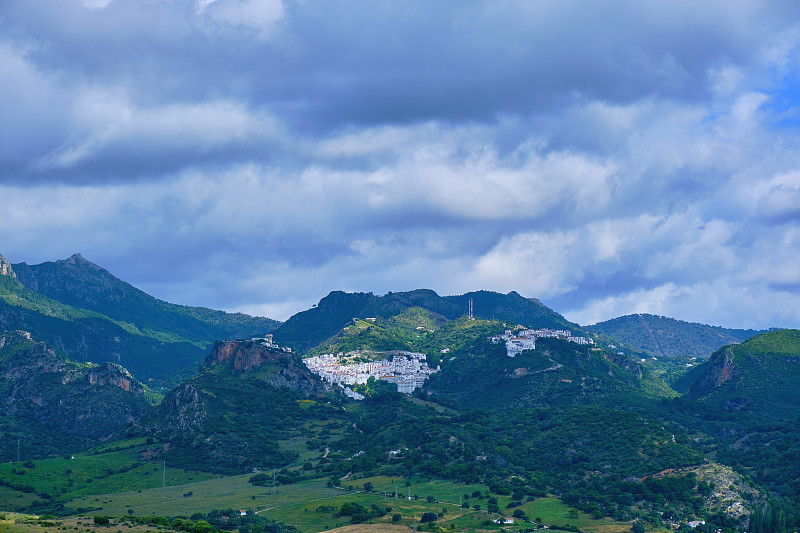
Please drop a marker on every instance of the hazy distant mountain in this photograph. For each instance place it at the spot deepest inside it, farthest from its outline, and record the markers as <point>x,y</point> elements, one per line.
<point>668,337</point>
<point>313,326</point>
<point>82,309</point>
<point>760,376</point>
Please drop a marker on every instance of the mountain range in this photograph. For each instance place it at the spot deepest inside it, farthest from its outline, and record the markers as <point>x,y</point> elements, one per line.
<point>313,326</point>
<point>592,423</point>
<point>89,314</point>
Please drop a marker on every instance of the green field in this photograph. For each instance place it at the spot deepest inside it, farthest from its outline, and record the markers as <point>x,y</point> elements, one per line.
<point>123,467</point>
<point>128,478</point>
<point>311,505</point>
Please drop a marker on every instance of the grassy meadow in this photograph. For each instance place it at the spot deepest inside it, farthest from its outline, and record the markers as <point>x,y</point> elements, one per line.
<point>127,478</point>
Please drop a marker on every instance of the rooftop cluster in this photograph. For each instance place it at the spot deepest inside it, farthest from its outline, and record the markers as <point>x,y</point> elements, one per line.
<point>408,370</point>
<point>525,339</point>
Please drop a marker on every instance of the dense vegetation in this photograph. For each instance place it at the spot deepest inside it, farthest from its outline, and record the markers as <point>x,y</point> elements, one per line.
<point>307,329</point>
<point>760,375</point>
<point>598,427</point>
<point>83,310</point>
<point>52,403</point>
<point>667,337</point>
<point>81,284</point>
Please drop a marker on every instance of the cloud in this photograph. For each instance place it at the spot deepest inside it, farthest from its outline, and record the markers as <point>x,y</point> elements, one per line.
<point>95,4</point>
<point>113,128</point>
<point>248,155</point>
<point>256,14</point>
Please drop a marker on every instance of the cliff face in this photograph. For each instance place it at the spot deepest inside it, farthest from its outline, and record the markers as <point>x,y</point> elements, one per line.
<point>721,370</point>
<point>760,376</point>
<point>113,375</point>
<point>232,414</point>
<point>277,368</point>
<point>5,268</point>
<point>40,386</point>
<point>626,363</point>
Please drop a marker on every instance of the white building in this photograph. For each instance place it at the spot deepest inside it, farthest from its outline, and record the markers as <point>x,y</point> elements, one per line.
<point>515,345</point>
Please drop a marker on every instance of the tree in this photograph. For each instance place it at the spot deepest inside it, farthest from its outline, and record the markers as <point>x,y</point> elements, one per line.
<point>428,517</point>
<point>368,487</point>
<point>396,517</point>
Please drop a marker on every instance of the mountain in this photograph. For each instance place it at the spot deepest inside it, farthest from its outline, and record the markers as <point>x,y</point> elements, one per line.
<point>231,415</point>
<point>48,399</point>
<point>759,376</point>
<point>555,373</point>
<point>82,309</point>
<point>668,337</point>
<point>82,284</point>
<point>335,311</point>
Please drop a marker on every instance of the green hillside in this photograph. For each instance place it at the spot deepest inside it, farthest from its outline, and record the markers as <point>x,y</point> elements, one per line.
<point>82,284</point>
<point>668,337</point>
<point>309,328</point>
<point>409,330</point>
<point>230,416</point>
<point>476,373</point>
<point>760,376</point>
<point>53,404</point>
<point>83,310</point>
<point>556,373</point>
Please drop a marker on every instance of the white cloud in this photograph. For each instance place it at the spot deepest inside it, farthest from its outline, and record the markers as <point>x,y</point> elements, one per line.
<point>107,121</point>
<point>258,14</point>
<point>724,81</point>
<point>95,4</point>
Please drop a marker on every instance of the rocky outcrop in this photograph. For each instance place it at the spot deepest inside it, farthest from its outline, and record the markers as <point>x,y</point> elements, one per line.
<point>625,362</point>
<point>182,410</point>
<point>721,370</point>
<point>114,375</point>
<point>5,268</point>
<point>731,494</point>
<point>40,386</point>
<point>277,367</point>
<point>231,415</point>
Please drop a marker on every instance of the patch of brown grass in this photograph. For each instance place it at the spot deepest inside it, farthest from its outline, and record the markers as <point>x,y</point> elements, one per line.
<point>372,528</point>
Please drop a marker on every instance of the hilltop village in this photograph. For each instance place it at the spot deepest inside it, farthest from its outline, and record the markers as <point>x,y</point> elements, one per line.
<point>408,370</point>
<point>525,339</point>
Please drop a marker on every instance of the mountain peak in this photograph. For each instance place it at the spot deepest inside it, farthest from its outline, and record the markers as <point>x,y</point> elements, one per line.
<point>5,268</point>
<point>77,259</point>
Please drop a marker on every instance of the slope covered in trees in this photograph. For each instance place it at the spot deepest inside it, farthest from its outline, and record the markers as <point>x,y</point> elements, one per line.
<point>668,337</point>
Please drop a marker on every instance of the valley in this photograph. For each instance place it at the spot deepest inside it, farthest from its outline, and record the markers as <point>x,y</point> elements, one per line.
<point>441,429</point>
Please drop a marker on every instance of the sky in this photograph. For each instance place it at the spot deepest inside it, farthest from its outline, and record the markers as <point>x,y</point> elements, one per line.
<point>607,158</point>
